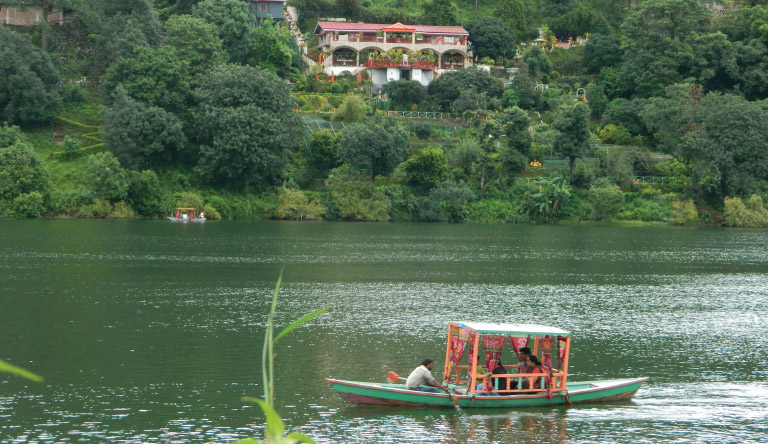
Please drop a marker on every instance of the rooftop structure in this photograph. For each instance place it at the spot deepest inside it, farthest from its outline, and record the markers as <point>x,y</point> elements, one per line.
<point>271,8</point>
<point>392,52</point>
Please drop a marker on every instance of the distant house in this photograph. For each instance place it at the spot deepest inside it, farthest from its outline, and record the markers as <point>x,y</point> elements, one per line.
<point>30,14</point>
<point>272,8</point>
<point>392,52</point>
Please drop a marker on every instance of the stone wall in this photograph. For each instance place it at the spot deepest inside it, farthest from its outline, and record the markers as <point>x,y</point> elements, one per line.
<point>28,16</point>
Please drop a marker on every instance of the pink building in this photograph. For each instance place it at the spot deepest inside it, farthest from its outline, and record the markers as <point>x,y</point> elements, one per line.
<point>392,52</point>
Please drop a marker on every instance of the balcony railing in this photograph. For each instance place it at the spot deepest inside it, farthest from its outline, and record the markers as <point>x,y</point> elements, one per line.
<point>452,65</point>
<point>344,62</point>
<point>415,64</point>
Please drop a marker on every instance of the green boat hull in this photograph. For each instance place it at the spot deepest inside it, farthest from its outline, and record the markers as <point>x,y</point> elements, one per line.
<point>369,393</point>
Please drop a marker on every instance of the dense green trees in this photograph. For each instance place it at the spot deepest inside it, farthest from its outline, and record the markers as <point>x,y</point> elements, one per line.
<point>25,185</point>
<point>322,152</point>
<point>449,86</point>
<point>573,138</point>
<point>405,93</point>
<point>175,116</point>
<point>141,135</point>
<point>537,62</point>
<point>721,137</point>
<point>196,42</point>
<point>270,48</point>
<point>426,168</point>
<point>374,147</point>
<point>491,38</point>
<point>440,12</point>
<point>245,126</point>
<point>233,20</point>
<point>29,83</point>
<point>107,179</point>
<point>154,76</point>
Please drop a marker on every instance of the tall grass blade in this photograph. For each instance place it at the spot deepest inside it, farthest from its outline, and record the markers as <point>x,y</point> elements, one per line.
<point>299,322</point>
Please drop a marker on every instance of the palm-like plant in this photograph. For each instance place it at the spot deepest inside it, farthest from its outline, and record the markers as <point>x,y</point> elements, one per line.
<point>549,198</point>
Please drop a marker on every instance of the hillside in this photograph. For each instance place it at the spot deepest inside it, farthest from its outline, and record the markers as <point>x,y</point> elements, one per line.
<point>130,110</point>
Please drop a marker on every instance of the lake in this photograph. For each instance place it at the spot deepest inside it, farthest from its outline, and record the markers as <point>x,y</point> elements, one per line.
<point>150,331</point>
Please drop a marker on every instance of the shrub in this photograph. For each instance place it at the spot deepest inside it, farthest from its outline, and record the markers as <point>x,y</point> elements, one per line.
<point>71,144</point>
<point>98,208</point>
<point>352,109</point>
<point>187,199</point>
<point>294,204</point>
<point>493,211</point>
<point>145,193</point>
<point>607,199</point>
<point>583,175</point>
<point>28,205</point>
<point>447,202</point>
<point>121,210</point>
<point>211,212</point>
<point>108,180</point>
<point>751,215</point>
<point>426,168</point>
<point>402,202</point>
<point>353,197</point>
<point>510,98</point>
<point>222,206</point>
<point>423,131</point>
<point>684,212</point>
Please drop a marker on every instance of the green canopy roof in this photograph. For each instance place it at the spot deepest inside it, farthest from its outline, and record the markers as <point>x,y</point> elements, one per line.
<point>512,329</point>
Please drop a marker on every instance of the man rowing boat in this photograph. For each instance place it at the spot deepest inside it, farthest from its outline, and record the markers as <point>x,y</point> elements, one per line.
<point>422,375</point>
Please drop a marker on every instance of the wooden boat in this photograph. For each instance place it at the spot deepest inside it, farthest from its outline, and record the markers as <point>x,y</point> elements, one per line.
<point>468,381</point>
<point>186,215</point>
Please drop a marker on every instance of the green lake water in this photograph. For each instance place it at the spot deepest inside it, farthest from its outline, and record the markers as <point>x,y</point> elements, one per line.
<point>150,331</point>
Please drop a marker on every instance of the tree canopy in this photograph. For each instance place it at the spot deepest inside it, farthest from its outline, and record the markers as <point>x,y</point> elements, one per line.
<point>29,83</point>
<point>491,38</point>
<point>246,126</point>
<point>375,146</point>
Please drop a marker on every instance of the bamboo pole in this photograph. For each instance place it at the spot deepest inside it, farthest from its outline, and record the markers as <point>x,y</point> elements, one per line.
<point>446,375</point>
<point>473,369</point>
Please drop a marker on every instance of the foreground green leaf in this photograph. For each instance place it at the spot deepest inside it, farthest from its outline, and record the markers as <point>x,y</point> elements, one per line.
<point>12,369</point>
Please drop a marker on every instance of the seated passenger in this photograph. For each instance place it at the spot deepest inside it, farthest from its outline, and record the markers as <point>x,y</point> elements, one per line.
<point>534,366</point>
<point>491,382</point>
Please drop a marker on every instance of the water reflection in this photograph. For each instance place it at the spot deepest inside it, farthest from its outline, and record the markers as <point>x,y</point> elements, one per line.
<point>139,344</point>
<point>518,427</point>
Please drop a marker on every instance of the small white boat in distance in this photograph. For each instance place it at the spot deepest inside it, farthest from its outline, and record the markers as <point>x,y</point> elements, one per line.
<point>186,215</point>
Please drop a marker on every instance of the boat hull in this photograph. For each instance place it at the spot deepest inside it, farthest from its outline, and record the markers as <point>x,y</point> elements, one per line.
<point>179,219</point>
<point>395,395</point>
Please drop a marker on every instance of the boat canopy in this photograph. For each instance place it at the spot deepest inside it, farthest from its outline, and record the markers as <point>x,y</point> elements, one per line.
<point>511,329</point>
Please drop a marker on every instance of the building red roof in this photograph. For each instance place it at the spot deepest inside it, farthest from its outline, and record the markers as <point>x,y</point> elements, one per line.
<point>398,27</point>
<point>324,27</point>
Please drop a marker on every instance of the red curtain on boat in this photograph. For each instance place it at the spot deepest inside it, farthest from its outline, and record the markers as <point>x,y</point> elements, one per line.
<point>471,340</point>
<point>546,343</point>
<point>493,346</point>
<point>458,343</point>
<point>518,343</point>
<point>546,360</point>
